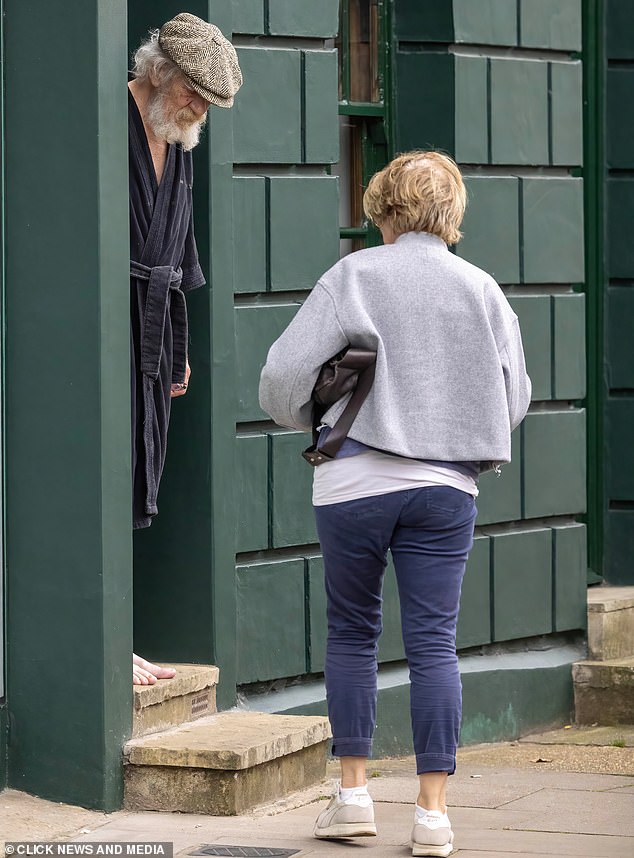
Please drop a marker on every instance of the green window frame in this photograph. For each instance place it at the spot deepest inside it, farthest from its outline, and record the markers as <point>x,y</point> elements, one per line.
<point>370,140</point>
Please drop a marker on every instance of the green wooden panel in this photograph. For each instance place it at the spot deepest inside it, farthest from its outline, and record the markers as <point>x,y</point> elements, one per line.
<point>252,503</point>
<point>570,570</point>
<point>553,230</point>
<point>318,631</point>
<point>304,230</point>
<point>522,584</point>
<point>66,286</point>
<point>291,483</point>
<point>391,641</point>
<point>519,112</point>
<point>554,463</point>
<point>569,341</point>
<point>472,137</point>
<point>271,626</point>
<point>423,21</point>
<point>249,249</point>
<point>500,498</point>
<point>487,22</point>
<point>554,24</point>
<point>620,449</point>
<point>567,114</point>
<point>303,18</point>
<point>534,315</point>
<point>321,127</point>
<point>267,111</point>
<point>491,227</point>
<point>620,342</point>
<point>424,123</point>
<point>619,547</point>
<point>257,328</point>
<point>474,622</point>
<point>619,117</point>
<point>620,193</point>
<point>618,24</point>
<point>248,16</point>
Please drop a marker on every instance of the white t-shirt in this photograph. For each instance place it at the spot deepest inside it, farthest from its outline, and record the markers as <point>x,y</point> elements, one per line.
<point>376,473</point>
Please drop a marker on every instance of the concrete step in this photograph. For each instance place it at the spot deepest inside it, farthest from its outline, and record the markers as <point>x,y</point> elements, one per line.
<point>225,764</point>
<point>610,622</point>
<point>604,691</point>
<point>190,695</point>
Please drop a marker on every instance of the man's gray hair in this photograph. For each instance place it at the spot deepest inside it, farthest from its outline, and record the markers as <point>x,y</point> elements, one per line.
<point>150,61</point>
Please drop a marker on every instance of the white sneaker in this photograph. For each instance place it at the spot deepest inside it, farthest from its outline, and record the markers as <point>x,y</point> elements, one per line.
<point>432,835</point>
<point>351,818</point>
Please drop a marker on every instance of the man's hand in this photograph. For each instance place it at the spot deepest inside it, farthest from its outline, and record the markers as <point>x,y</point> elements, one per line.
<point>181,389</point>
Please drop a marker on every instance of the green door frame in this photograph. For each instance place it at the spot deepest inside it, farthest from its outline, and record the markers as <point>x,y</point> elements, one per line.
<point>68,532</point>
<point>594,201</point>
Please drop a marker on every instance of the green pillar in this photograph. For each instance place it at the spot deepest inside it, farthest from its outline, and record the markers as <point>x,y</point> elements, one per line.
<point>67,399</point>
<point>184,564</point>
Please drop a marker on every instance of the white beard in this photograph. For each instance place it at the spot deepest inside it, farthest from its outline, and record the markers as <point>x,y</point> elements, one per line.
<point>165,124</point>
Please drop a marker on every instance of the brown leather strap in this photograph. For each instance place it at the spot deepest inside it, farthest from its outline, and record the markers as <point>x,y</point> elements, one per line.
<point>317,455</point>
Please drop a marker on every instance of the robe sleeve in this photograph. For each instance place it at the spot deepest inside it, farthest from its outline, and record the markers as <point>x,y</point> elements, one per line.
<point>193,276</point>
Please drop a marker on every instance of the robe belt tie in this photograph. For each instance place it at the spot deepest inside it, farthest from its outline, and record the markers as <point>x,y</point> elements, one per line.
<point>163,291</point>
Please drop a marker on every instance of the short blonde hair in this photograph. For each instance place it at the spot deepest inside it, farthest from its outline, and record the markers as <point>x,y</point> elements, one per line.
<point>418,192</point>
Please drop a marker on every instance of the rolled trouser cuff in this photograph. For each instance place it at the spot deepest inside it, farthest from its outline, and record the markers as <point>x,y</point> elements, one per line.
<point>435,763</point>
<point>351,747</point>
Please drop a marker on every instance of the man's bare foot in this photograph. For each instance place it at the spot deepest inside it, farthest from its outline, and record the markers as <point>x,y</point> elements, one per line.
<point>146,673</point>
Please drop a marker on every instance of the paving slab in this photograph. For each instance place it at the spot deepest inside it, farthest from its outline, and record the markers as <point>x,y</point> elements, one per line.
<point>25,817</point>
<point>621,736</point>
<point>497,809</point>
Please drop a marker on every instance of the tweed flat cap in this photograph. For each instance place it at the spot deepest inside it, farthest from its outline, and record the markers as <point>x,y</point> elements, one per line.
<point>202,53</point>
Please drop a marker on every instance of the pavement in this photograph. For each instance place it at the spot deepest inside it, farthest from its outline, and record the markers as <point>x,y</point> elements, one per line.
<point>565,793</point>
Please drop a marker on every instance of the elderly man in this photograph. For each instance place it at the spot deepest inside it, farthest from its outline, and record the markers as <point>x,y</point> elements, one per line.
<point>178,73</point>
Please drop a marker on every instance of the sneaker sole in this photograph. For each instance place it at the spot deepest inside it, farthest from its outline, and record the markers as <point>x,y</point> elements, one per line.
<point>420,849</point>
<point>348,829</point>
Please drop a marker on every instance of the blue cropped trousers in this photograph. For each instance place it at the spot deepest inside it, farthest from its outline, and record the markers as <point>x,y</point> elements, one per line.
<point>430,533</point>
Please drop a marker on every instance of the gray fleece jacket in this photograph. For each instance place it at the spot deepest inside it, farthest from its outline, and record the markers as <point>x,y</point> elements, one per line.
<point>450,381</point>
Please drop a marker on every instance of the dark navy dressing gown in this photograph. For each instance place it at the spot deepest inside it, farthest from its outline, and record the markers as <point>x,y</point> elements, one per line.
<point>163,266</point>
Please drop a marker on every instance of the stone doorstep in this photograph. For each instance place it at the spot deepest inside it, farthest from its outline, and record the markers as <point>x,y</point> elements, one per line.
<point>232,740</point>
<point>191,694</point>
<point>605,674</point>
<point>610,622</point>
<point>223,793</point>
<point>604,599</point>
<point>604,691</point>
<point>226,763</point>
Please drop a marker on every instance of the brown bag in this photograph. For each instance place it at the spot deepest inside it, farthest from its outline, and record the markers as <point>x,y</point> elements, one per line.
<point>350,370</point>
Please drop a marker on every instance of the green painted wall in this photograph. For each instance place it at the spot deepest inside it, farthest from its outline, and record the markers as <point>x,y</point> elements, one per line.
<point>510,112</point>
<point>619,295</point>
<point>3,745</point>
<point>524,224</point>
<point>286,228</point>
<point>68,539</point>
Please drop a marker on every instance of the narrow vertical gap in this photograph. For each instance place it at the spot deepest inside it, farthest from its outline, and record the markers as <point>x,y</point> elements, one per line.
<point>549,89</point>
<point>518,13</point>
<point>267,230</point>
<point>270,494</point>
<point>489,134</point>
<point>267,19</point>
<point>522,470</point>
<point>302,103</point>
<point>520,225</point>
<point>553,348</point>
<point>492,587</point>
<point>553,573</point>
<point>307,623</point>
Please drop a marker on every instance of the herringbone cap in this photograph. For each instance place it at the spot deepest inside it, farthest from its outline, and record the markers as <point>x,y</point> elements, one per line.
<point>202,53</point>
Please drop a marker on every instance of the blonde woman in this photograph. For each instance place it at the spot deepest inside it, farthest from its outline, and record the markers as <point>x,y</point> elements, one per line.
<point>449,388</point>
